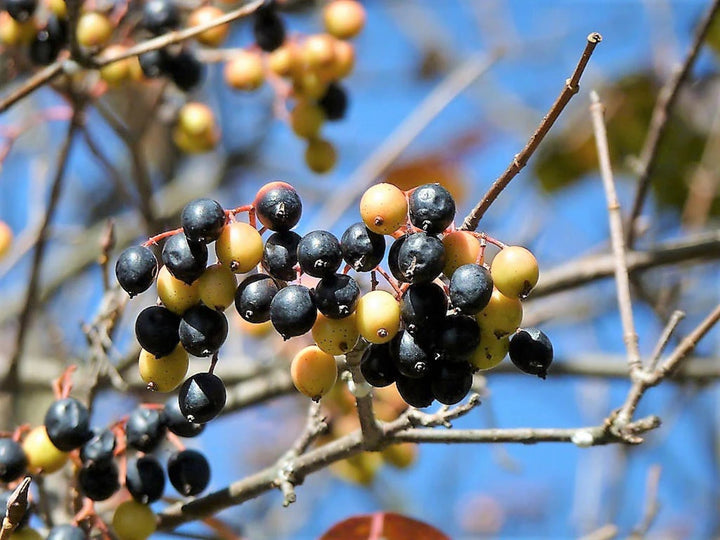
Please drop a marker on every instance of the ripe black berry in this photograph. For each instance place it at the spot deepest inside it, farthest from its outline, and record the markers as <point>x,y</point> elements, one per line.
<point>160,16</point>
<point>100,447</point>
<point>189,472</point>
<point>319,254</point>
<point>278,206</point>
<point>202,330</point>
<point>67,422</point>
<point>184,259</point>
<point>185,70</point>
<point>451,382</point>
<point>292,311</point>
<point>202,220</point>
<point>268,27</point>
<point>431,208</point>
<point>20,10</point>
<point>176,421</point>
<point>416,392</point>
<point>154,63</point>
<point>420,258</point>
<point>336,296</point>
<point>460,336</point>
<point>531,351</point>
<point>280,255</point>
<point>136,269</point>
<point>254,297</point>
<point>335,101</point>
<point>202,397</point>
<point>98,480</point>
<point>471,287</point>
<point>378,366</point>
<point>423,308</point>
<point>412,359</point>
<point>156,329</point>
<point>362,249</point>
<point>145,479</point>
<point>145,429</point>
<point>49,41</point>
<point>13,461</point>
<point>66,532</point>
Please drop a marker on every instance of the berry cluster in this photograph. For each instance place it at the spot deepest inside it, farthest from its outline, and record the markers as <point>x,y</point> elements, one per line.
<point>312,64</point>
<point>104,462</point>
<point>428,337</point>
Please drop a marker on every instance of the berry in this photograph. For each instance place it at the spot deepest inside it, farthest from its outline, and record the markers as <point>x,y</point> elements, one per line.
<point>334,103</point>
<point>451,382</point>
<point>344,62</point>
<point>145,429</point>
<point>217,287</point>
<point>214,36</point>
<point>471,287</point>
<point>184,259</point>
<point>133,521</point>
<point>344,19</point>
<point>20,10</point>
<point>6,235</point>
<point>423,308</point>
<point>393,256</point>
<point>66,532</point>
<point>318,51</point>
<point>420,258</point>
<point>67,422</point>
<point>278,206</point>
<point>378,316</point>
<point>26,534</point>
<point>49,41</point>
<point>41,453</point>
<point>383,208</point>
<point>177,423</point>
<point>195,130</point>
<point>335,336</point>
<point>98,480</point>
<point>244,71</point>
<point>306,119</point>
<point>502,315</point>
<point>176,295</point>
<point>531,351</point>
<point>93,29</point>
<point>188,472</point>
<point>117,72</point>
<point>313,372</point>
<point>13,461</point>
<point>362,249</point>
<point>185,70</point>
<point>280,255</point>
<point>100,447</point>
<point>254,297</point>
<point>378,365</point>
<point>416,392</point>
<point>336,296</point>
<point>202,397</point>
<point>239,247</point>
<point>136,269</point>
<point>145,479</point>
<point>461,248</point>
<point>319,254</point>
<point>156,329</point>
<point>203,330</point>
<point>320,155</point>
<point>268,27</point>
<point>160,16</point>
<point>154,63</point>
<point>293,311</point>
<point>515,271</point>
<point>202,220</point>
<point>164,374</point>
<point>284,60</point>
<point>491,351</point>
<point>431,208</point>
<point>460,335</point>
<point>412,359</point>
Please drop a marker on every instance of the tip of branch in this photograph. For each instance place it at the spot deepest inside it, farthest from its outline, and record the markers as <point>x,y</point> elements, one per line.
<point>594,37</point>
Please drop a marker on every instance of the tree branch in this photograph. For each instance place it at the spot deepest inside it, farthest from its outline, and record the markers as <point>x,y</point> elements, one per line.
<point>572,85</point>
<point>39,79</point>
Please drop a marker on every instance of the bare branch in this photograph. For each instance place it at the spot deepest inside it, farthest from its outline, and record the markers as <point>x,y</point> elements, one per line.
<point>667,332</point>
<point>41,78</point>
<point>572,85</point>
<point>651,504</point>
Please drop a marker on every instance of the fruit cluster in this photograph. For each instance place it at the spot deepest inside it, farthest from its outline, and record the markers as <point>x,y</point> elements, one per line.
<point>427,338</point>
<point>104,463</point>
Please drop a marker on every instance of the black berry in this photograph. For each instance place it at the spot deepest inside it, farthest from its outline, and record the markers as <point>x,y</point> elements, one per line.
<point>184,259</point>
<point>136,269</point>
<point>145,479</point>
<point>67,422</point>
<point>278,206</point>
<point>280,255</point>
<point>362,249</point>
<point>378,365</point>
<point>98,480</point>
<point>292,311</point>
<point>531,351</point>
<point>254,296</point>
<point>189,472</point>
<point>145,429</point>
<point>431,208</point>
<point>203,220</point>
<point>13,461</point>
<point>471,287</point>
<point>203,330</point>
<point>156,329</point>
<point>202,397</point>
<point>176,421</point>
<point>336,296</point>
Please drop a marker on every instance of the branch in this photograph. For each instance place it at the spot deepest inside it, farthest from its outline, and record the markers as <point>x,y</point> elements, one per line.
<point>658,121</point>
<point>520,160</point>
<point>358,386</point>
<point>622,280</point>
<point>39,79</point>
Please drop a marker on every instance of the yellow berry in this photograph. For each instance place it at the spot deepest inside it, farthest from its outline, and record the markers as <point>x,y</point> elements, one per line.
<point>244,71</point>
<point>310,84</point>
<point>283,61</point>
<point>119,71</point>
<point>491,351</point>
<point>306,119</point>
<point>13,32</point>
<point>318,51</point>
<point>383,208</point>
<point>502,315</point>
<point>378,316</point>
<point>214,36</point>
<point>239,247</point>
<point>133,521</point>
<point>335,336</point>
<point>320,156</point>
<point>344,19</point>
<point>514,271</point>
<point>344,61</point>
<point>358,469</point>
<point>164,374</point>
<point>176,295</point>
<point>400,455</point>
<point>6,239</point>
<point>26,533</point>
<point>42,454</point>
<point>313,372</point>
<point>217,286</point>
<point>93,29</point>
<point>195,130</point>
<point>58,8</point>
<point>461,247</point>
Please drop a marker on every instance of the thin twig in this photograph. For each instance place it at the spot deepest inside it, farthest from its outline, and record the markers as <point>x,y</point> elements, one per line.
<point>572,85</point>
<point>622,280</point>
<point>41,78</point>
<point>372,433</point>
<point>658,122</point>
<point>667,332</point>
<point>652,506</point>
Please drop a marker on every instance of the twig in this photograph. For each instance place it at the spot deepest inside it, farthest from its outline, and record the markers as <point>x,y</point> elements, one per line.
<point>675,319</point>
<point>372,433</point>
<point>520,160</point>
<point>391,148</point>
<point>606,532</point>
<point>16,507</point>
<point>651,504</point>
<point>40,78</point>
<point>622,280</point>
<point>114,174</point>
<point>658,121</point>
